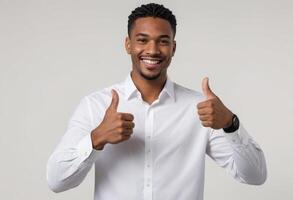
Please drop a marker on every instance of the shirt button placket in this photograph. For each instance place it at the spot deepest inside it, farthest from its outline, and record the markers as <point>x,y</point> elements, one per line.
<point>148,153</point>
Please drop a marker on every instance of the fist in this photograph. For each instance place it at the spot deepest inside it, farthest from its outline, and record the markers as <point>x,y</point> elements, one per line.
<point>115,126</point>
<point>212,112</point>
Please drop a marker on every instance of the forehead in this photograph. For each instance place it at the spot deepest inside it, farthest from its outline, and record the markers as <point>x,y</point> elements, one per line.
<point>152,26</point>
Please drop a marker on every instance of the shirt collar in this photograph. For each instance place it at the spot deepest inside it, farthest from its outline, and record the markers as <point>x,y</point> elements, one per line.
<point>131,90</point>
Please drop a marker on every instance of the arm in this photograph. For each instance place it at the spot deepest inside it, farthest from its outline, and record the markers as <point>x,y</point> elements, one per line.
<point>80,146</point>
<point>74,156</point>
<point>236,152</point>
<point>239,154</point>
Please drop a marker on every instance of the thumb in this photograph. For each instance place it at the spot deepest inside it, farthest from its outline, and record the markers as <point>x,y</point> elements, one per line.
<point>208,93</point>
<point>115,100</point>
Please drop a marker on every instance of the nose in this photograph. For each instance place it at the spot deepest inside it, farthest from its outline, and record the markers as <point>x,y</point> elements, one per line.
<point>152,48</point>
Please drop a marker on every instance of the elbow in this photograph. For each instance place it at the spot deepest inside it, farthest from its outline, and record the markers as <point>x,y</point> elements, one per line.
<point>55,188</point>
<point>54,182</point>
<point>54,185</point>
<point>255,177</point>
<point>261,176</point>
<point>57,183</point>
<point>256,182</point>
<point>58,186</point>
<point>260,180</point>
<point>252,173</point>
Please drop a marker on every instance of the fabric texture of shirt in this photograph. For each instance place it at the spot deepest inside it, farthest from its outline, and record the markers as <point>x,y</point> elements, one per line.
<point>165,156</point>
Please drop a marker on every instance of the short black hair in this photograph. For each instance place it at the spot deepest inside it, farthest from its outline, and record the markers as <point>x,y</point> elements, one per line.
<point>152,10</point>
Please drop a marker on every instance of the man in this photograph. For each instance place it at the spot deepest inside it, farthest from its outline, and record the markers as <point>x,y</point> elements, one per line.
<point>148,136</point>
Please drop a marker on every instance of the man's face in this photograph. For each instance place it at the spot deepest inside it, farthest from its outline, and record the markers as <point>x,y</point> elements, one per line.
<point>151,46</point>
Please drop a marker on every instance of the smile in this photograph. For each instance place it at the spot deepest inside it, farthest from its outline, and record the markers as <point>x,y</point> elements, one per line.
<point>151,62</point>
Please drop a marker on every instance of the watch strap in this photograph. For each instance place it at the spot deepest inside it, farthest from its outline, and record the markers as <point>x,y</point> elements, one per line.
<point>234,126</point>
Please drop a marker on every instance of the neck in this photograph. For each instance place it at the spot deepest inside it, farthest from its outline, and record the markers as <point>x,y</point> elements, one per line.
<point>149,89</point>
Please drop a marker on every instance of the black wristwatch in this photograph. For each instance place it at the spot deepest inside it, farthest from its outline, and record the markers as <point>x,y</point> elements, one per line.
<point>234,126</point>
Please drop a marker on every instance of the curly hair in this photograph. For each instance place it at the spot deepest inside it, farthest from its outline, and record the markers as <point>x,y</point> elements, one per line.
<point>152,10</point>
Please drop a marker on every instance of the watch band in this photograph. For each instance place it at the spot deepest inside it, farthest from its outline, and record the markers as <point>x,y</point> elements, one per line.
<point>234,126</point>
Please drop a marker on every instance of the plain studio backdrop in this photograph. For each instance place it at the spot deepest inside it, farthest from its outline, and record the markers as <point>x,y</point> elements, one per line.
<point>54,52</point>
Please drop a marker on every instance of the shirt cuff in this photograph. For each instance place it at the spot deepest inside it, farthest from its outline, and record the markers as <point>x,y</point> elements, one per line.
<point>238,137</point>
<point>241,138</point>
<point>86,151</point>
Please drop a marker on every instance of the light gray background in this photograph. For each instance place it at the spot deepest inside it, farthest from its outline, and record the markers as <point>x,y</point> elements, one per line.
<point>54,52</point>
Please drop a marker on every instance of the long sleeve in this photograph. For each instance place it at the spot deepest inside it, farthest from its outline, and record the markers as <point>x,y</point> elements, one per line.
<point>74,156</point>
<point>239,154</point>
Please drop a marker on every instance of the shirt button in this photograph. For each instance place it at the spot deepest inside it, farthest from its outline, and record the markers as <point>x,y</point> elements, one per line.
<point>149,137</point>
<point>148,165</point>
<point>148,185</point>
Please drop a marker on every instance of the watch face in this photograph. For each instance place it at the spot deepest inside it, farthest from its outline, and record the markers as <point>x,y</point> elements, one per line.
<point>235,122</point>
<point>234,126</point>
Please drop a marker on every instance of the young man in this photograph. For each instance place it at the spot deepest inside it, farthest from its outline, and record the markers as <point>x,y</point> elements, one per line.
<point>148,136</point>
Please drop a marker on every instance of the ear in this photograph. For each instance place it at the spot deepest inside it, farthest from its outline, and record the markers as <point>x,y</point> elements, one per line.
<point>174,48</point>
<point>127,44</point>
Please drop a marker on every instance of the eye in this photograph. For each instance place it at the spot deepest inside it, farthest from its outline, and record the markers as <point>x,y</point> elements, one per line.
<point>141,40</point>
<point>164,42</point>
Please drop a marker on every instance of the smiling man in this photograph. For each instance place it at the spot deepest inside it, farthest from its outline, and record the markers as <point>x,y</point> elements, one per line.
<point>147,136</point>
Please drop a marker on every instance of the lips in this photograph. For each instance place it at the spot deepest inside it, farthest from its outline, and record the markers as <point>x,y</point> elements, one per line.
<point>151,63</point>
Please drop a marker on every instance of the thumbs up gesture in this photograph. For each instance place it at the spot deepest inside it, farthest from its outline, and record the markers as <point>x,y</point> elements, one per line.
<point>115,126</point>
<point>212,112</point>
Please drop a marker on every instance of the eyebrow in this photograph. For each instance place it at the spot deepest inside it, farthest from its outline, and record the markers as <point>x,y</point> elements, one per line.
<point>146,35</point>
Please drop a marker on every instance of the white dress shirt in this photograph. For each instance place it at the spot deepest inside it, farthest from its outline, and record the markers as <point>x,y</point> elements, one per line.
<point>165,157</point>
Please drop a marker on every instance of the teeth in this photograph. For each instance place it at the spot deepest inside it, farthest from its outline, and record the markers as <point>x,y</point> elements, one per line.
<point>152,62</point>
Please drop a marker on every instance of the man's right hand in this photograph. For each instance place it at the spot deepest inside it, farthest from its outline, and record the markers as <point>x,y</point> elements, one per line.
<point>115,127</point>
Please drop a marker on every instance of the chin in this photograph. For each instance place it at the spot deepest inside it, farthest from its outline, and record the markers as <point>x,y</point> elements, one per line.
<point>151,76</point>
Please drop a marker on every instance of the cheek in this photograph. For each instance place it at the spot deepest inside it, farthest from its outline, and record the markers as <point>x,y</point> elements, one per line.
<point>136,50</point>
<point>168,51</point>
<point>135,60</point>
<point>169,54</point>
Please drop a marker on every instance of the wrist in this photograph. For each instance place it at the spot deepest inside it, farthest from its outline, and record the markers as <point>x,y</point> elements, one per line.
<point>234,125</point>
<point>98,140</point>
<point>229,120</point>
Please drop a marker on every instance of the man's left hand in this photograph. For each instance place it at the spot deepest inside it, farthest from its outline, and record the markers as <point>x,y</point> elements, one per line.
<point>212,112</point>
